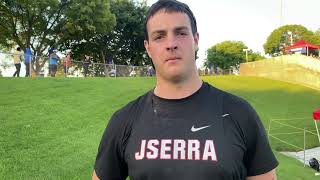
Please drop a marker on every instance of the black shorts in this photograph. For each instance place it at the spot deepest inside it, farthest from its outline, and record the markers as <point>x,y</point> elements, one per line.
<point>53,68</point>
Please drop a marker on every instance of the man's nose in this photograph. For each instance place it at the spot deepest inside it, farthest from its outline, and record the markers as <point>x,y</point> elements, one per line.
<point>172,44</point>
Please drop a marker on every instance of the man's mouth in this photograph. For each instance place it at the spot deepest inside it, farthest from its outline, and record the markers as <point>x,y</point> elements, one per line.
<point>173,59</point>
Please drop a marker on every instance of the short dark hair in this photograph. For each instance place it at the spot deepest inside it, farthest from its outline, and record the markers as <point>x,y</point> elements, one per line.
<point>170,6</point>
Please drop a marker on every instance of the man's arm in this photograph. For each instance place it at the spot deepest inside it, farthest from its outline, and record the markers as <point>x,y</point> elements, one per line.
<point>271,175</point>
<point>94,176</point>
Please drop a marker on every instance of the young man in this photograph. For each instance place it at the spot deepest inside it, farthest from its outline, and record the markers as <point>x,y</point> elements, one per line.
<point>183,128</point>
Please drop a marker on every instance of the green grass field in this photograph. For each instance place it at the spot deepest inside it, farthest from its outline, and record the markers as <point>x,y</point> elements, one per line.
<point>50,128</point>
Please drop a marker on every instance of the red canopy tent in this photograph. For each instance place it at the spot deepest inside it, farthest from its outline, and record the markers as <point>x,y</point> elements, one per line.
<point>316,115</point>
<point>302,44</point>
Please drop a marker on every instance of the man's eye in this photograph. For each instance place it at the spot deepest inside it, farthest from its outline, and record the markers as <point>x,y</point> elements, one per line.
<point>182,33</point>
<point>158,37</point>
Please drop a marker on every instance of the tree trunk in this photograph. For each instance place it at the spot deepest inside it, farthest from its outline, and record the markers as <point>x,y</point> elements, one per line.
<point>38,63</point>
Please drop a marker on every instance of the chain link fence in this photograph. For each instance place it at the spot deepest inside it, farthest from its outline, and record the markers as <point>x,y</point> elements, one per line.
<point>40,68</point>
<point>218,71</point>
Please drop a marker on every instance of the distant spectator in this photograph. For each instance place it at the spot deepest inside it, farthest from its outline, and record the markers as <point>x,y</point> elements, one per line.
<point>199,72</point>
<point>109,59</point>
<point>50,50</point>
<point>211,70</point>
<point>133,73</point>
<point>17,58</point>
<point>86,63</point>
<point>112,73</point>
<point>150,71</point>
<point>27,60</point>
<point>53,63</point>
<point>67,63</point>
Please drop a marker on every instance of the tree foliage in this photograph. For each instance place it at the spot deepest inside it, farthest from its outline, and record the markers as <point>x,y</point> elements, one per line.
<point>281,38</point>
<point>229,54</point>
<point>39,24</point>
<point>125,42</point>
<point>317,33</point>
<point>254,56</point>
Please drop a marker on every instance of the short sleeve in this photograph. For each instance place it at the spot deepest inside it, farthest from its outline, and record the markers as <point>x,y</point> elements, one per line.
<point>259,158</point>
<point>110,163</point>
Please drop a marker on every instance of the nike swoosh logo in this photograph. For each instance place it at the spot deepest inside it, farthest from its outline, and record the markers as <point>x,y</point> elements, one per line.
<point>193,129</point>
<point>225,115</point>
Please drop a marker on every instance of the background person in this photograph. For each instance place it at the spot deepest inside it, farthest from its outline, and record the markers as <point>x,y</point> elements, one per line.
<point>67,63</point>
<point>86,63</point>
<point>17,58</point>
<point>53,63</point>
<point>27,61</point>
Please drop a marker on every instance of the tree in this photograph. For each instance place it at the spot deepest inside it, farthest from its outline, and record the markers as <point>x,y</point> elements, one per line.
<point>39,24</point>
<point>254,56</point>
<point>317,33</point>
<point>125,42</point>
<point>281,38</point>
<point>226,54</point>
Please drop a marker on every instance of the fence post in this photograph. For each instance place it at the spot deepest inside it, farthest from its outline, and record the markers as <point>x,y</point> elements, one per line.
<point>315,122</point>
<point>105,70</point>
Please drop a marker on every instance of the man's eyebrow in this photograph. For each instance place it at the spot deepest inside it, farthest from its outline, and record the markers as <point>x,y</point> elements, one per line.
<point>156,32</point>
<point>182,28</point>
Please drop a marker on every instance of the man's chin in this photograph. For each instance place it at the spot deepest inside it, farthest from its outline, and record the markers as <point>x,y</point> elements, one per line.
<point>174,76</point>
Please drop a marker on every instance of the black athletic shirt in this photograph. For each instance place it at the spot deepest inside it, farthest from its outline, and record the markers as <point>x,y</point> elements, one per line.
<point>208,135</point>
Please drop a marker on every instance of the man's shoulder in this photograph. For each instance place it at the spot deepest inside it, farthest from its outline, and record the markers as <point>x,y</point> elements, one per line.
<point>132,107</point>
<point>238,108</point>
<point>230,101</point>
<point>122,120</point>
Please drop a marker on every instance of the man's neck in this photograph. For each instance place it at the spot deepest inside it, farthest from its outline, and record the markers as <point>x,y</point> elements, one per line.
<point>174,90</point>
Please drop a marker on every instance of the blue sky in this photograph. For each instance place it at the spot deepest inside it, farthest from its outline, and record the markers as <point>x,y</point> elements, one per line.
<point>249,21</point>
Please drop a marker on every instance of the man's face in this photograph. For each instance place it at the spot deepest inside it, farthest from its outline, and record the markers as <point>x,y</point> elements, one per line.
<point>171,45</point>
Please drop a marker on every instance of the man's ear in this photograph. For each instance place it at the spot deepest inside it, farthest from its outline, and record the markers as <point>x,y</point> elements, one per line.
<point>196,39</point>
<point>146,45</point>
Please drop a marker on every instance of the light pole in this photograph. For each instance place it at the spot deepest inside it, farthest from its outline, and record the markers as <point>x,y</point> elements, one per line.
<point>280,13</point>
<point>246,50</point>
